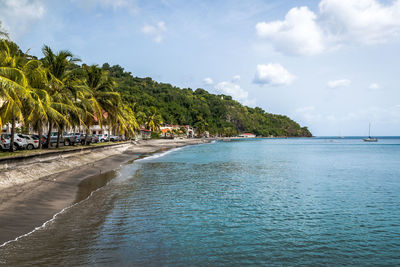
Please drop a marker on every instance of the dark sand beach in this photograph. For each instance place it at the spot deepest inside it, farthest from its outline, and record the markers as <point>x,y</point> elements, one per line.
<point>28,203</point>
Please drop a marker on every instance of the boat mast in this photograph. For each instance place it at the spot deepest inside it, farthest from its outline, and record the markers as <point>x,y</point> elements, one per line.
<point>369,131</point>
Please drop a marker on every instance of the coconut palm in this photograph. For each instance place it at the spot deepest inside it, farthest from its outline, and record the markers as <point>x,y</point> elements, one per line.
<point>154,120</point>
<point>99,93</point>
<point>60,79</point>
<point>141,118</point>
<point>40,106</point>
<point>13,85</point>
<point>126,121</point>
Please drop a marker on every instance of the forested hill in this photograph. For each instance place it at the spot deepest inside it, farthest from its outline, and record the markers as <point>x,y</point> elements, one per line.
<point>218,114</point>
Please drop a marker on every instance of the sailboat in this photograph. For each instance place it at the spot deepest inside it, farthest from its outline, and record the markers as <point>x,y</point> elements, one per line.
<point>370,139</point>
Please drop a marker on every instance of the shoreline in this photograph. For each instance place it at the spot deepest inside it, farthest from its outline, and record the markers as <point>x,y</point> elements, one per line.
<point>30,203</point>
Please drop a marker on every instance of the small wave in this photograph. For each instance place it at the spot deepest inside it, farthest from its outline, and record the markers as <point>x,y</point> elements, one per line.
<point>49,221</point>
<point>120,173</point>
<point>159,155</point>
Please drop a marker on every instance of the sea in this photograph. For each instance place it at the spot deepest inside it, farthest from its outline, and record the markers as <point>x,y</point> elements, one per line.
<point>258,202</point>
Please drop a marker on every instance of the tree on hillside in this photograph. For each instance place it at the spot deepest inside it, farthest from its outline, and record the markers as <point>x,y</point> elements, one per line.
<point>154,120</point>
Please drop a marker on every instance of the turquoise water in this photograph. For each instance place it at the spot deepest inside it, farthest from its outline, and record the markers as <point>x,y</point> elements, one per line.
<point>255,202</point>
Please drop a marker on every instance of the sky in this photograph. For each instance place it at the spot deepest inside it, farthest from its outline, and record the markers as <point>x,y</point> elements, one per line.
<point>331,65</point>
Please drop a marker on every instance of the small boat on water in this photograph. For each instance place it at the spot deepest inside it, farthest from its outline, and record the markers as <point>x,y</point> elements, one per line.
<point>370,139</point>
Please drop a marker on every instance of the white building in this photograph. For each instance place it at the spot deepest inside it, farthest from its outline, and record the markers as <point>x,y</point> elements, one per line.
<point>247,135</point>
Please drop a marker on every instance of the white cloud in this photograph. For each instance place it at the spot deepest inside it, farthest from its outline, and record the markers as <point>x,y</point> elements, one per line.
<point>155,31</point>
<point>297,34</point>
<point>18,16</point>
<point>364,21</point>
<point>374,86</point>
<point>236,78</point>
<point>129,5</point>
<point>337,22</point>
<point>273,74</point>
<point>208,81</point>
<point>235,91</point>
<point>339,83</point>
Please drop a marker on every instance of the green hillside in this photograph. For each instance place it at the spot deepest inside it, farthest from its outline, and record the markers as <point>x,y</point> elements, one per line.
<point>218,114</point>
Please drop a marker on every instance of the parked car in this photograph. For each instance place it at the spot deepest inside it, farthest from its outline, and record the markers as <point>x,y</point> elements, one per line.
<point>5,143</point>
<point>53,139</point>
<point>89,139</point>
<point>95,138</point>
<point>32,142</point>
<point>103,137</point>
<point>19,142</point>
<point>71,139</point>
<point>114,138</point>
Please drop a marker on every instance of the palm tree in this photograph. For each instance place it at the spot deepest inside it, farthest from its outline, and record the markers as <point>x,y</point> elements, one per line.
<point>126,121</point>
<point>154,120</point>
<point>99,93</point>
<point>59,80</point>
<point>40,106</point>
<point>141,118</point>
<point>13,85</point>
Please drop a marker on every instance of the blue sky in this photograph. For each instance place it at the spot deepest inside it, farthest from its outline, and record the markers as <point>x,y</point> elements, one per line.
<point>332,65</point>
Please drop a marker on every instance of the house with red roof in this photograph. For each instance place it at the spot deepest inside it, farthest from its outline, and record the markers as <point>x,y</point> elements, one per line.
<point>247,135</point>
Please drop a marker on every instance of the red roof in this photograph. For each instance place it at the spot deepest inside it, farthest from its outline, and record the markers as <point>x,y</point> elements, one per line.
<point>145,130</point>
<point>105,115</point>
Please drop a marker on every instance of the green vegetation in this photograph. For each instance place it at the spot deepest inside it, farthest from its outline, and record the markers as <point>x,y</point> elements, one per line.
<point>218,114</point>
<point>56,92</point>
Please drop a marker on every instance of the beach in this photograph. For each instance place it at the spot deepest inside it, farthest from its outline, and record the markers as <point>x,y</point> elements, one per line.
<point>33,190</point>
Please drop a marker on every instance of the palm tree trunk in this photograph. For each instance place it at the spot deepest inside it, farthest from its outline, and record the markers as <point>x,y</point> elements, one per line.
<point>58,137</point>
<point>40,135</point>
<point>86,136</point>
<point>49,134</point>
<point>12,133</point>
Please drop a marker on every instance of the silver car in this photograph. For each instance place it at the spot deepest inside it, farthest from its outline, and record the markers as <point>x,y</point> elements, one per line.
<point>19,142</point>
<point>103,137</point>
<point>32,142</point>
<point>4,143</point>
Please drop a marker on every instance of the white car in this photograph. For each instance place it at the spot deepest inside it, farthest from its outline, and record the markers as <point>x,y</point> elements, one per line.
<point>103,137</point>
<point>19,142</point>
<point>4,143</point>
<point>32,142</point>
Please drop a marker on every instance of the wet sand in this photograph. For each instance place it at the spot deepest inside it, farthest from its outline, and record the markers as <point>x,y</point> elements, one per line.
<point>27,205</point>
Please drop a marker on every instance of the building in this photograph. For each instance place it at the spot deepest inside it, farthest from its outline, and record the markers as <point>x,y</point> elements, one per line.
<point>96,129</point>
<point>247,135</point>
<point>168,130</point>
<point>143,134</point>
